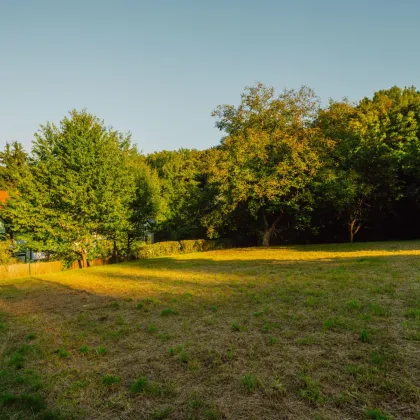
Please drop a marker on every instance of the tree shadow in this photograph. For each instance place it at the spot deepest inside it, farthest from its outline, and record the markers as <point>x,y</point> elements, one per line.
<point>167,277</point>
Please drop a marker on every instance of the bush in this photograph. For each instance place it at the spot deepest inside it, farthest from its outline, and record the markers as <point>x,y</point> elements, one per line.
<point>194,245</point>
<point>135,247</point>
<point>6,252</point>
<point>160,249</point>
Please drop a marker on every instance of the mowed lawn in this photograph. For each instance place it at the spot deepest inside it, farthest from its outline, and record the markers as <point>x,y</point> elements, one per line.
<point>311,332</point>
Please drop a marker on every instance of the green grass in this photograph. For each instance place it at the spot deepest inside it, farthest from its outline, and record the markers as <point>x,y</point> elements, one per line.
<point>109,380</point>
<point>250,382</point>
<point>329,331</point>
<point>101,351</point>
<point>62,353</point>
<point>84,349</point>
<point>168,312</point>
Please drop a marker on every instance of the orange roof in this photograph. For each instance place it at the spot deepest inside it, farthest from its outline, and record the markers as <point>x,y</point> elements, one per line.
<point>4,195</point>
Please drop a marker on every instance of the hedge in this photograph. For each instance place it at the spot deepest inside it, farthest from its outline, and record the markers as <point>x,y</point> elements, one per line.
<point>161,249</point>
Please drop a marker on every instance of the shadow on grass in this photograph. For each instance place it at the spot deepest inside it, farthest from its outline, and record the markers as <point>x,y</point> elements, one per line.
<point>218,310</point>
<point>226,280</point>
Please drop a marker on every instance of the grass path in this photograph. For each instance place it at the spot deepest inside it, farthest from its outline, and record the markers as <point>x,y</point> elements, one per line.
<point>315,332</point>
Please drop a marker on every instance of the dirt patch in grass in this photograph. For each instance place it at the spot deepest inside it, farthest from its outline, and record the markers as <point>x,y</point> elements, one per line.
<point>302,332</point>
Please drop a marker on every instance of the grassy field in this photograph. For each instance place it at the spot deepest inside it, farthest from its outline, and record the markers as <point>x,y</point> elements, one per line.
<point>314,332</point>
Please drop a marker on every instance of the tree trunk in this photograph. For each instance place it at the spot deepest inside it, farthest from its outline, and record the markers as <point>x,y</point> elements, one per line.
<point>115,253</point>
<point>84,260</point>
<point>353,229</point>
<point>128,247</point>
<point>266,238</point>
<point>269,230</point>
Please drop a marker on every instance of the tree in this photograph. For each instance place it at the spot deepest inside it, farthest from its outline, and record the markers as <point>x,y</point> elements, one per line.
<point>268,160</point>
<point>147,205</point>
<point>368,140</point>
<point>181,190</point>
<point>78,190</point>
<point>14,169</point>
<point>13,166</point>
<point>392,118</point>
<point>347,190</point>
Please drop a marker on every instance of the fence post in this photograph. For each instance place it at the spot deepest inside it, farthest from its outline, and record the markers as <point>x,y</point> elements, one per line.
<point>30,255</point>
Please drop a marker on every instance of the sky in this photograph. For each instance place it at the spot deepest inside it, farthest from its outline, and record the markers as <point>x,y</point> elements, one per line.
<point>158,68</point>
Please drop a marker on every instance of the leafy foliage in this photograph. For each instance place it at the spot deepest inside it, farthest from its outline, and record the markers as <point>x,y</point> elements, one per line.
<point>85,183</point>
<point>161,249</point>
<point>286,170</point>
<point>181,193</point>
<point>270,159</point>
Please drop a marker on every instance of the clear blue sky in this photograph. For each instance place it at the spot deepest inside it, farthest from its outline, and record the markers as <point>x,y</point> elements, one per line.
<point>158,68</point>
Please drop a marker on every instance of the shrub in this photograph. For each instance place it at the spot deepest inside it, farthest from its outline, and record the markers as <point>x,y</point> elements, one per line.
<point>100,248</point>
<point>160,249</point>
<point>6,252</point>
<point>194,245</point>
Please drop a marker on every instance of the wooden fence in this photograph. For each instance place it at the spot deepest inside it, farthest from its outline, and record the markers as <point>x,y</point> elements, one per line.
<point>92,263</point>
<point>34,269</point>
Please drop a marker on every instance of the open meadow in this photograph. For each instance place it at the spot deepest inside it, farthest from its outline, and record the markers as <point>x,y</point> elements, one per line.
<point>305,332</point>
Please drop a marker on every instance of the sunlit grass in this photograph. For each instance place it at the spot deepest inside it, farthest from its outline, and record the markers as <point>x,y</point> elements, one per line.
<point>327,331</point>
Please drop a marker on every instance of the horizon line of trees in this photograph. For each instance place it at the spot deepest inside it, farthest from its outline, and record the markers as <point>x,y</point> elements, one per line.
<point>286,171</point>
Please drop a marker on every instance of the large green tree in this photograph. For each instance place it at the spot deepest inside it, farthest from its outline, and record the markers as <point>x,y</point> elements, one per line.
<point>147,206</point>
<point>268,161</point>
<point>374,154</point>
<point>79,187</point>
<point>14,168</point>
<point>180,174</point>
<point>349,190</point>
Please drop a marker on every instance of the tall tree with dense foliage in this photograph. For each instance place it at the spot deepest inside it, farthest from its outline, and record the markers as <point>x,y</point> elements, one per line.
<point>375,142</point>
<point>182,193</point>
<point>268,160</point>
<point>283,164</point>
<point>14,168</point>
<point>348,191</point>
<point>147,206</point>
<point>79,188</point>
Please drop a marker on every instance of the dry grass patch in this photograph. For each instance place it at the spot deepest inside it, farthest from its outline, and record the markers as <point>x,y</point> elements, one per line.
<point>299,332</point>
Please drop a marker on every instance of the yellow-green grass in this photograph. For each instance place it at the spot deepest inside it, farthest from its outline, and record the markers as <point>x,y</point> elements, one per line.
<point>328,332</point>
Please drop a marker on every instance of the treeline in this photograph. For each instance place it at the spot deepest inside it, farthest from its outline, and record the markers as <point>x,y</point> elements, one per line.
<point>286,171</point>
<point>290,171</point>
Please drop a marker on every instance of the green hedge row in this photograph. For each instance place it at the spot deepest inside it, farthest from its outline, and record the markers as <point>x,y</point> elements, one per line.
<point>160,249</point>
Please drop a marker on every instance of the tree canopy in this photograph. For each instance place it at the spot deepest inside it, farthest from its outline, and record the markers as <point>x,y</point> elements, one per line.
<point>286,170</point>
<point>82,187</point>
